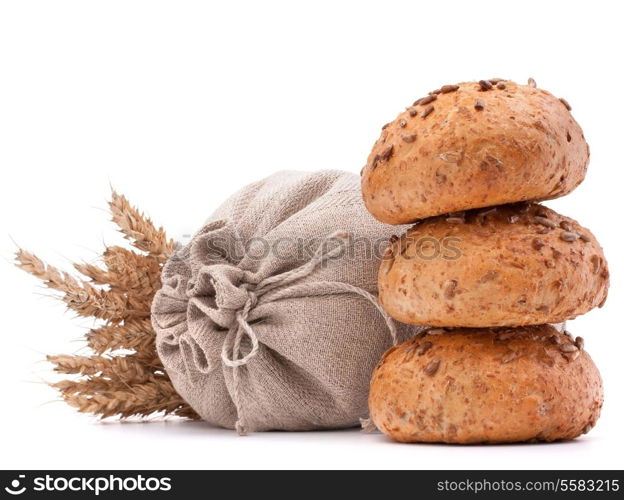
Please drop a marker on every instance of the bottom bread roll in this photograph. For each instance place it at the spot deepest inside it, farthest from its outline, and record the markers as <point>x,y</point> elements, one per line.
<point>486,385</point>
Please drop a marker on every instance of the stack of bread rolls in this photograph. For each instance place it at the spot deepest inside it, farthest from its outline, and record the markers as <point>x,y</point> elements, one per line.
<point>486,267</point>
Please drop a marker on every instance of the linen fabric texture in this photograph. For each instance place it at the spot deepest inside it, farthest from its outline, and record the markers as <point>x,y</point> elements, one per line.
<point>267,318</point>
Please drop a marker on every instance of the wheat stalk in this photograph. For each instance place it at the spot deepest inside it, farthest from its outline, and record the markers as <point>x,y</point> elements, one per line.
<point>81,297</point>
<point>88,386</point>
<point>126,272</point>
<point>141,399</point>
<point>136,335</point>
<point>123,368</point>
<point>123,376</point>
<point>140,230</point>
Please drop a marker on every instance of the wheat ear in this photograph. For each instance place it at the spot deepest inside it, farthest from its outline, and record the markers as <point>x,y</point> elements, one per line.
<point>139,229</point>
<point>135,335</point>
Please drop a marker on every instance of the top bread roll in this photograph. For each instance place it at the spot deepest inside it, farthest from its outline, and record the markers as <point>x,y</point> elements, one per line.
<point>474,145</point>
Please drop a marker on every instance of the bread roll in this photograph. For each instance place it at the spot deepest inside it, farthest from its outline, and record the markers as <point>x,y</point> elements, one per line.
<point>486,386</point>
<point>466,147</point>
<point>520,264</point>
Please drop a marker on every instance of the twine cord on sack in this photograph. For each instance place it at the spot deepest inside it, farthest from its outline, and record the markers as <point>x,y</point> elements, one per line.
<point>279,286</point>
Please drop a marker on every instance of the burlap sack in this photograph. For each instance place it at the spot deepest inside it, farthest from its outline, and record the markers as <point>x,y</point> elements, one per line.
<point>265,319</point>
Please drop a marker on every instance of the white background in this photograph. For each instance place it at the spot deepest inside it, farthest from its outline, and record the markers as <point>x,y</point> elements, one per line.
<point>177,104</point>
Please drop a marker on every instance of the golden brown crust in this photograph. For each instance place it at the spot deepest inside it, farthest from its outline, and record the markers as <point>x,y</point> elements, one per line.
<point>472,148</point>
<point>486,386</point>
<point>520,264</point>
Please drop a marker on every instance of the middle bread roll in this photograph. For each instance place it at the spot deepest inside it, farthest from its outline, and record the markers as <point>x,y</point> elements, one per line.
<point>520,264</point>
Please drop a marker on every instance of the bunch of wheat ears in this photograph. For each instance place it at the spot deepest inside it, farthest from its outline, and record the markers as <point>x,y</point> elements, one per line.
<point>122,374</point>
